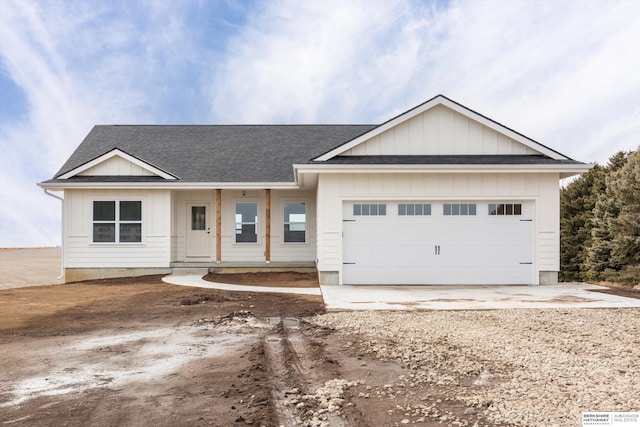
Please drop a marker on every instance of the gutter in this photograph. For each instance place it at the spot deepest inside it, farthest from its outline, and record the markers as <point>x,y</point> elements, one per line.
<point>48,193</point>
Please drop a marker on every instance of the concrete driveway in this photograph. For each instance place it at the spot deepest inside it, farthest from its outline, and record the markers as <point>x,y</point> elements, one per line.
<point>570,295</point>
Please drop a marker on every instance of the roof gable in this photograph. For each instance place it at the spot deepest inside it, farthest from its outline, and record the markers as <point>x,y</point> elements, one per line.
<point>116,163</point>
<point>441,127</point>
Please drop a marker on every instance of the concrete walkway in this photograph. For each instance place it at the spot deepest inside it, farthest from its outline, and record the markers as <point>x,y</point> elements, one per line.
<point>196,280</point>
<point>337,298</point>
<point>471,297</point>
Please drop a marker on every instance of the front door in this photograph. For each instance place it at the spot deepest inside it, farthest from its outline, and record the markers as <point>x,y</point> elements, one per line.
<point>198,230</point>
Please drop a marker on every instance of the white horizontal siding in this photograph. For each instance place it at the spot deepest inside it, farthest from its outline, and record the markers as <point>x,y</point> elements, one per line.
<point>439,131</point>
<point>81,252</point>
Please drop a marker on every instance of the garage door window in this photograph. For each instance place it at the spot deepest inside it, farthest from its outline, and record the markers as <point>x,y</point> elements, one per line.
<point>369,209</point>
<point>505,209</point>
<point>414,209</point>
<point>459,209</point>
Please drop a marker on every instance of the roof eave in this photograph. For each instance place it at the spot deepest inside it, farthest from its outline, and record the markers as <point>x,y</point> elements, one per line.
<point>461,168</point>
<point>60,185</point>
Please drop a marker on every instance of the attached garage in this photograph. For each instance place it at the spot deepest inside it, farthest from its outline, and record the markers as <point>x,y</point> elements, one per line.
<point>438,242</point>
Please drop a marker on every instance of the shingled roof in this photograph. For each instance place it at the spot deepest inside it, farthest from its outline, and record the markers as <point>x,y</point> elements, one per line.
<point>216,153</point>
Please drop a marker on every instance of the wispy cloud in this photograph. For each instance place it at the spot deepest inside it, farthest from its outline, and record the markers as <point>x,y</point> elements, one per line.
<point>78,64</point>
<point>539,67</point>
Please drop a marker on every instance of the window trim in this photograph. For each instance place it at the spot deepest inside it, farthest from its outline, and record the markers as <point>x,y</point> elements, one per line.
<point>257,223</point>
<point>306,222</point>
<point>117,221</point>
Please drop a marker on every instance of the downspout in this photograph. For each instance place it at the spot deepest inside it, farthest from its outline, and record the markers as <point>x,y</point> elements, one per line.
<point>46,191</point>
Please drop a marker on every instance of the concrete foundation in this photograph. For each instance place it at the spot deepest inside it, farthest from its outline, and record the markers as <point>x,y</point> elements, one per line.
<point>548,277</point>
<point>329,277</point>
<point>81,274</point>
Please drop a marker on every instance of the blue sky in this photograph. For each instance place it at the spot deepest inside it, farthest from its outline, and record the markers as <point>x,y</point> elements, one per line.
<point>564,73</point>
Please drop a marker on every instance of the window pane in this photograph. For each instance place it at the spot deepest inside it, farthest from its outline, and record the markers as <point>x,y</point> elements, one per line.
<point>501,209</point>
<point>246,234</point>
<point>447,209</point>
<point>104,232</point>
<point>492,209</point>
<point>104,211</point>
<point>247,211</point>
<point>427,209</point>
<point>464,209</point>
<point>293,233</point>
<point>382,210</point>
<point>517,209</point>
<point>130,211</point>
<point>509,209</point>
<point>418,209</point>
<point>472,209</point>
<point>402,209</point>
<point>198,217</point>
<point>131,232</point>
<point>373,210</point>
<point>357,210</point>
<point>410,209</point>
<point>365,209</point>
<point>294,212</point>
<point>455,209</point>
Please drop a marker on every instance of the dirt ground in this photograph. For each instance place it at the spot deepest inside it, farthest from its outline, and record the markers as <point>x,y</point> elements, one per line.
<point>140,352</point>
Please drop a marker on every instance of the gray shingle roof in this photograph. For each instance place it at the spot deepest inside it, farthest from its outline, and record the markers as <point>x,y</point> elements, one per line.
<point>216,153</point>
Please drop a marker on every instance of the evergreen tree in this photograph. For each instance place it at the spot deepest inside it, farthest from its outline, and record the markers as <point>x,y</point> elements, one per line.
<point>601,263</point>
<point>577,201</point>
<point>625,227</point>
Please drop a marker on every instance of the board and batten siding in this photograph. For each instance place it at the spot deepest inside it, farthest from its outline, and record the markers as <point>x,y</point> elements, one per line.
<point>116,166</point>
<point>81,252</point>
<point>439,131</point>
<point>541,188</point>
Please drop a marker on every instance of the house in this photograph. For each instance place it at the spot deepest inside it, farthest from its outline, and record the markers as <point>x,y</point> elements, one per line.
<point>439,194</point>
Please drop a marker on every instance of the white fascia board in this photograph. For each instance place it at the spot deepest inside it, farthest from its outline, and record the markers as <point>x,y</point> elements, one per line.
<point>119,153</point>
<point>441,100</point>
<point>171,185</point>
<point>324,168</point>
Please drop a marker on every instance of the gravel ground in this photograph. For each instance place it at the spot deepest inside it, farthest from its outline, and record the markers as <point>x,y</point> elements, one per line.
<point>520,367</point>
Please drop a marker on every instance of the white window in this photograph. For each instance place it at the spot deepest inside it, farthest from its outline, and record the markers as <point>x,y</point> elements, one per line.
<point>295,222</point>
<point>246,222</point>
<point>117,221</point>
<point>459,209</point>
<point>505,209</point>
<point>369,209</point>
<point>414,209</point>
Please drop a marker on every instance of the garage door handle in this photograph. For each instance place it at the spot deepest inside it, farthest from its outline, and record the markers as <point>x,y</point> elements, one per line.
<point>437,249</point>
<point>348,263</point>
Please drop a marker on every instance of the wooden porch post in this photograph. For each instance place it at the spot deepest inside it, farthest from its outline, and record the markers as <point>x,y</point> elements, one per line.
<point>267,252</point>
<point>218,225</point>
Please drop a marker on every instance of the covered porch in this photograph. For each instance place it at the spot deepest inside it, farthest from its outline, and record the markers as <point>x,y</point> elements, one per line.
<point>226,230</point>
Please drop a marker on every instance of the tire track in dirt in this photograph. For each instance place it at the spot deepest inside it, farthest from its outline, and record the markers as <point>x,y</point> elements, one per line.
<point>294,379</point>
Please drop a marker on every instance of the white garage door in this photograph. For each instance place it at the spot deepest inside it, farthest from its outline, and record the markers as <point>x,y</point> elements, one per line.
<point>426,242</point>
